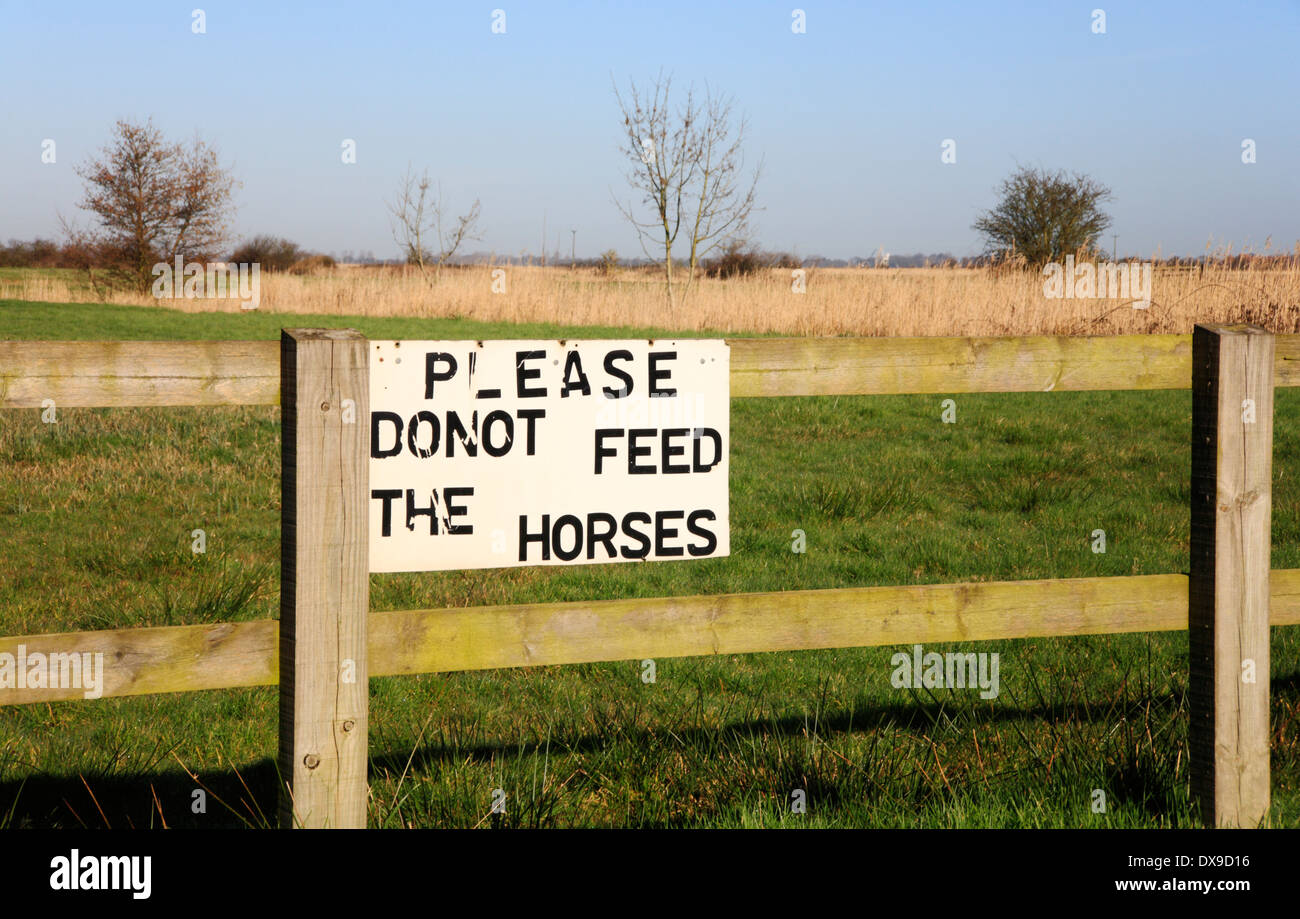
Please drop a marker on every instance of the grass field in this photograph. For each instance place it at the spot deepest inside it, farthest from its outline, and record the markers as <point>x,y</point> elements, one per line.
<point>834,301</point>
<point>96,514</point>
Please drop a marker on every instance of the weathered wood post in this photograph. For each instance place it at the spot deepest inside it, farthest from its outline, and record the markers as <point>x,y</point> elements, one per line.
<point>324,578</point>
<point>1232,474</point>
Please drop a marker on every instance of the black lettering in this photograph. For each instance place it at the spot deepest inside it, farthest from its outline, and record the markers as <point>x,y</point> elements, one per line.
<point>601,452</point>
<point>710,540</point>
<point>431,512</point>
<point>574,362</point>
<point>642,538</point>
<point>700,434</point>
<point>432,375</point>
<point>544,537</point>
<point>662,532</point>
<point>605,538</point>
<point>524,374</point>
<point>670,451</point>
<point>656,374</point>
<point>432,420</point>
<point>621,354</point>
<point>563,554</point>
<point>456,429</point>
<point>633,451</point>
<point>388,496</point>
<point>377,451</point>
<point>504,418</point>
<point>448,495</point>
<point>531,415</point>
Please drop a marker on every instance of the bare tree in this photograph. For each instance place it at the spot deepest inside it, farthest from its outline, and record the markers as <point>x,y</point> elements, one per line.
<point>688,164</point>
<point>418,229</point>
<point>152,201</point>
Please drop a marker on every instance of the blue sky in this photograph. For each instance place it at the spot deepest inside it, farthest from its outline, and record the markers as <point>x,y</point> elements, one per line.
<point>849,117</point>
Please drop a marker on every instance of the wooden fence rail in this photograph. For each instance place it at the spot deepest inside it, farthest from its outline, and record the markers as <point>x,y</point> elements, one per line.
<point>227,655</point>
<point>126,374</point>
<point>1228,602</point>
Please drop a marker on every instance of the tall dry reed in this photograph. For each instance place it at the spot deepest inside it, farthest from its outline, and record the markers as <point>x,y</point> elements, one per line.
<point>836,301</point>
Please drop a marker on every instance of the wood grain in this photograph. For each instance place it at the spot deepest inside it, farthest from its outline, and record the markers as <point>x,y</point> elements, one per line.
<point>120,374</point>
<point>148,373</point>
<point>163,659</point>
<point>849,366</point>
<point>1231,497</point>
<point>187,658</point>
<point>324,579</point>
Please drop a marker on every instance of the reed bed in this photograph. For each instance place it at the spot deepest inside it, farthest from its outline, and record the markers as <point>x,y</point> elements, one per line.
<point>835,301</point>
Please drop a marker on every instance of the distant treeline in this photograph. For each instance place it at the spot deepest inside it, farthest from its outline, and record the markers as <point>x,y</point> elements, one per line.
<point>38,253</point>
<point>748,261</point>
<point>275,253</point>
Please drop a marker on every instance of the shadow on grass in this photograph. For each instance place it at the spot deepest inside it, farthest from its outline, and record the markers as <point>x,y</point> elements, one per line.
<point>247,797</point>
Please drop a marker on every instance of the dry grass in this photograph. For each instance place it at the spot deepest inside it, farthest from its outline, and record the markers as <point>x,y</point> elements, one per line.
<point>837,301</point>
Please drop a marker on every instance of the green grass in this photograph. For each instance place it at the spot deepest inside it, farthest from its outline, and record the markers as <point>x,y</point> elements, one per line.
<point>22,274</point>
<point>96,516</point>
<point>21,319</point>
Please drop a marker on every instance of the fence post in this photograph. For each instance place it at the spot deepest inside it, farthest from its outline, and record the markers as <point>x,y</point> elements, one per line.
<point>1228,597</point>
<point>324,577</point>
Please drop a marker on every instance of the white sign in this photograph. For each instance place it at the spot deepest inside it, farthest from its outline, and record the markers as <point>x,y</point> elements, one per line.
<point>508,453</point>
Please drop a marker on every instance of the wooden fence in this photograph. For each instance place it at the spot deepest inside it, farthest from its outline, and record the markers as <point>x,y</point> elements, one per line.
<point>326,643</point>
